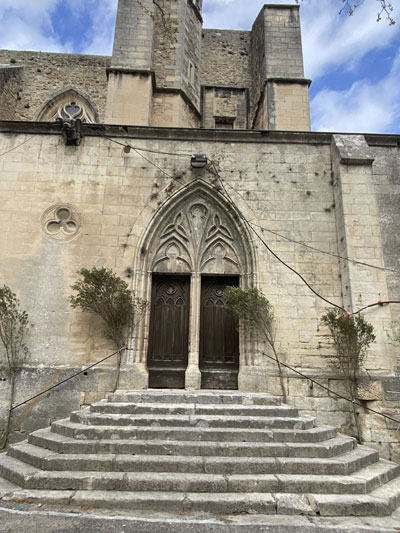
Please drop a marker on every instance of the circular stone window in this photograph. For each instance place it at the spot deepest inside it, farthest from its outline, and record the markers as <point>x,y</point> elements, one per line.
<point>61,222</point>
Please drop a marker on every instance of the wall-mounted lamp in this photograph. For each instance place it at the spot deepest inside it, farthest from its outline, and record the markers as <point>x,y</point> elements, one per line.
<point>198,161</point>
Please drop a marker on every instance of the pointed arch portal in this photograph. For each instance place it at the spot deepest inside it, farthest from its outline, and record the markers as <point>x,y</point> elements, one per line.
<point>194,248</point>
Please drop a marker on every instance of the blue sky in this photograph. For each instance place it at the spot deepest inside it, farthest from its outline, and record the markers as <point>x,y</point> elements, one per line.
<point>354,62</point>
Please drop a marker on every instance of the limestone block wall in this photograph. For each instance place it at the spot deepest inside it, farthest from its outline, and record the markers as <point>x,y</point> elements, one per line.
<point>386,183</point>
<point>133,46</point>
<point>258,71</point>
<point>225,108</point>
<point>45,74</point>
<point>192,53</point>
<point>279,93</point>
<point>283,48</point>
<point>289,108</point>
<point>10,82</point>
<point>225,58</point>
<point>177,41</point>
<point>282,182</point>
<point>171,108</point>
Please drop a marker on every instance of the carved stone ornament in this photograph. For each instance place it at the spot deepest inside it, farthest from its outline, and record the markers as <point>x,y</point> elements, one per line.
<point>72,110</point>
<point>198,239</point>
<point>61,222</point>
<point>68,104</point>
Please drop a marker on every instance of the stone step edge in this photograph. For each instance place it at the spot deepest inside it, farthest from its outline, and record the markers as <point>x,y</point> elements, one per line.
<point>191,422</point>
<point>46,438</point>
<point>347,464</point>
<point>187,417</point>
<point>69,427</point>
<point>362,482</point>
<point>274,434</point>
<point>224,408</point>
<point>231,504</point>
<point>219,397</point>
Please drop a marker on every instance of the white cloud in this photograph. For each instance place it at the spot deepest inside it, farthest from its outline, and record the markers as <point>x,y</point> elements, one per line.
<point>233,14</point>
<point>331,40</point>
<point>364,107</point>
<point>101,32</point>
<point>26,25</point>
<point>18,34</point>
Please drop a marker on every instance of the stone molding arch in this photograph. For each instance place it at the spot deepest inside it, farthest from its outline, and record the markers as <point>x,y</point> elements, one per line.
<point>55,107</point>
<point>195,232</point>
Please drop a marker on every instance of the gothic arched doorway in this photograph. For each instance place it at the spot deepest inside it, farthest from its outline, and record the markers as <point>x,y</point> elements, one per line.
<point>194,248</point>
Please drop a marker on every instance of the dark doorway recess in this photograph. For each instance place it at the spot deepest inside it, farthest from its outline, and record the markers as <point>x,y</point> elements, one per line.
<point>219,336</point>
<point>169,332</point>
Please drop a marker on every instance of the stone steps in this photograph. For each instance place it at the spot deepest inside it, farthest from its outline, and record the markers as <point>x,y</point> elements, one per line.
<point>191,421</point>
<point>86,431</point>
<point>41,458</point>
<point>361,482</point>
<point>198,397</point>
<point>222,453</point>
<point>232,410</point>
<point>70,444</point>
<point>380,502</point>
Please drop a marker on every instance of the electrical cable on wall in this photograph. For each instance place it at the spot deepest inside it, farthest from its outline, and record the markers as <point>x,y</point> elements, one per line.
<point>18,145</point>
<point>379,303</point>
<point>300,243</point>
<point>249,225</point>
<point>252,226</point>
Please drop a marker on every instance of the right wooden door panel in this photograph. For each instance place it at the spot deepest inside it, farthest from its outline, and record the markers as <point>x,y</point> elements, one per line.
<point>219,337</point>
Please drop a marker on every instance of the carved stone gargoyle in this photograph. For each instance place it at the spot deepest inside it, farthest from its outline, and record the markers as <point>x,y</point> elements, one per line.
<point>71,131</point>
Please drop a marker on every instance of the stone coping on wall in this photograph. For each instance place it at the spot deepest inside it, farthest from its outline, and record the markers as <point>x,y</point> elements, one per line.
<point>200,134</point>
<point>78,57</point>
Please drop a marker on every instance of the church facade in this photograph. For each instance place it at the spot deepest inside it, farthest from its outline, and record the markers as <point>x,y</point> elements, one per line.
<point>311,219</point>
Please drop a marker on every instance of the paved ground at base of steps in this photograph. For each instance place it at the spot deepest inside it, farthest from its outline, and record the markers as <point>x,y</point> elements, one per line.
<point>19,518</point>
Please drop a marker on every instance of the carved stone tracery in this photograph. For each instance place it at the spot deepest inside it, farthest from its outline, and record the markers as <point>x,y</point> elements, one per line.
<point>68,104</point>
<point>61,222</point>
<point>198,239</point>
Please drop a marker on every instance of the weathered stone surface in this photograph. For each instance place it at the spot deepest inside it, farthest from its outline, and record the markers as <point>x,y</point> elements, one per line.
<point>109,467</point>
<point>319,199</point>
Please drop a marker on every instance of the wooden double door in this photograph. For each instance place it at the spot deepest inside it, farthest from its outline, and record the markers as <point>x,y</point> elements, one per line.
<point>170,335</point>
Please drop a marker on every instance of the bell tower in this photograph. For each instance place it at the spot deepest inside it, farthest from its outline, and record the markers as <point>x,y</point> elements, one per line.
<point>154,77</point>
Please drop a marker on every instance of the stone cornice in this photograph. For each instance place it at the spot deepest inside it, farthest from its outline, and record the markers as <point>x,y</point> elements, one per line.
<point>185,134</point>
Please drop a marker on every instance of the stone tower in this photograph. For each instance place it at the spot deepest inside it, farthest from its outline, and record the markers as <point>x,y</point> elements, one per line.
<point>154,78</point>
<point>279,89</point>
<point>167,71</point>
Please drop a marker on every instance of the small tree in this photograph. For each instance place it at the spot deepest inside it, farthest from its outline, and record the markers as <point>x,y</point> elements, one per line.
<point>256,313</point>
<point>352,337</point>
<point>102,292</point>
<point>14,326</point>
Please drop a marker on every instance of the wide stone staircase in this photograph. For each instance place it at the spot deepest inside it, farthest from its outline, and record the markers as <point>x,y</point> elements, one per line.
<point>199,453</point>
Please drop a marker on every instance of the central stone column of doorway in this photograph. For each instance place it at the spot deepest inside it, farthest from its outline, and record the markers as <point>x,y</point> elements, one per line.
<point>193,375</point>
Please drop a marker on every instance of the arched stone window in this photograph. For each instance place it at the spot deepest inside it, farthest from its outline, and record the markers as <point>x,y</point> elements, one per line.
<point>68,104</point>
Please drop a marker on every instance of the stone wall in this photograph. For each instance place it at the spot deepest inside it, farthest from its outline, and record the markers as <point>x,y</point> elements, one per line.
<point>177,49</point>
<point>10,83</point>
<point>190,61</point>
<point>289,106</point>
<point>225,58</point>
<point>258,71</point>
<point>283,49</point>
<point>386,182</point>
<point>46,74</point>
<point>282,182</point>
<point>133,42</point>
<point>225,108</point>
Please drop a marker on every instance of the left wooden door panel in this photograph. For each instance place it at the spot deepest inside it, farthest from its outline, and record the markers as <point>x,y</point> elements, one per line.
<point>169,332</point>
